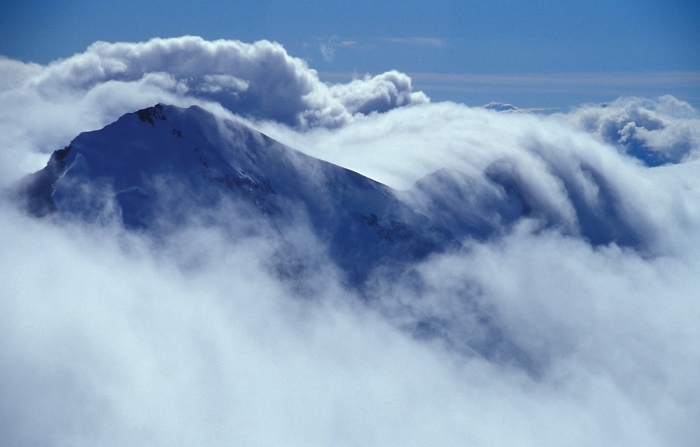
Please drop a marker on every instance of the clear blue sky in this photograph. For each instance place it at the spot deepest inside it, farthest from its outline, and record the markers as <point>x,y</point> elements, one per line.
<point>486,38</point>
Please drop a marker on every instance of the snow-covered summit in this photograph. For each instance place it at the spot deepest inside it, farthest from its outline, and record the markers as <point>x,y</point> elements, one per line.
<point>153,167</point>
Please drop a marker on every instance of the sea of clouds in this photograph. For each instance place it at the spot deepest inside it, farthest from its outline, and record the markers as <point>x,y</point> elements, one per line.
<point>575,325</point>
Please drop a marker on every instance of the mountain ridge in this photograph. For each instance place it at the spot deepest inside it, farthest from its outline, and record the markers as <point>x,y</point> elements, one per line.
<point>131,164</point>
<point>157,167</point>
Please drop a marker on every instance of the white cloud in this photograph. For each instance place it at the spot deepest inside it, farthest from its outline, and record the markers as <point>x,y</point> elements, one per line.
<point>261,79</point>
<point>106,342</point>
<point>656,132</point>
<point>217,83</point>
<point>328,48</point>
<point>380,93</point>
<point>599,317</point>
<point>13,73</point>
<point>88,90</point>
<point>575,180</point>
<point>111,339</point>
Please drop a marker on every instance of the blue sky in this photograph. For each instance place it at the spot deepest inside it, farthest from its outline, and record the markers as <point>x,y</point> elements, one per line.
<point>499,50</point>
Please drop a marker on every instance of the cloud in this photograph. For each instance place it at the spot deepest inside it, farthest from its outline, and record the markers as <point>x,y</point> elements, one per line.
<point>656,132</point>
<point>569,314</point>
<point>14,73</point>
<point>259,80</point>
<point>594,84</point>
<point>573,325</point>
<point>677,78</point>
<point>594,288</point>
<point>217,83</point>
<point>268,82</point>
<point>501,107</point>
<point>422,41</point>
<point>108,341</point>
<point>328,48</point>
<point>510,108</point>
<point>379,94</point>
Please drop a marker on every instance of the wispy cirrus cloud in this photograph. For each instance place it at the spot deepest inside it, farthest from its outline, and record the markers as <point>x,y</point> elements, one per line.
<point>422,41</point>
<point>329,47</point>
<point>685,78</point>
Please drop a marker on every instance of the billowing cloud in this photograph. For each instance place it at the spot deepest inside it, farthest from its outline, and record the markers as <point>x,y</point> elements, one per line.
<point>14,73</point>
<point>259,80</point>
<point>569,177</point>
<point>596,284</point>
<point>574,324</point>
<point>268,82</point>
<point>656,132</point>
<point>380,93</point>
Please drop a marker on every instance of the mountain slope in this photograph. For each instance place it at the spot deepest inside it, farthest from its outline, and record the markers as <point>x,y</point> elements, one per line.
<point>159,166</point>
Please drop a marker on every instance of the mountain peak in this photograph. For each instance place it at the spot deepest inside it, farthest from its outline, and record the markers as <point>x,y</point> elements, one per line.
<point>151,114</point>
<point>163,164</point>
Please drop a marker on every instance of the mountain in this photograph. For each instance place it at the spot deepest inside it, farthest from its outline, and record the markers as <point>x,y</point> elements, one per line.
<point>158,169</point>
<point>158,166</point>
<point>163,166</point>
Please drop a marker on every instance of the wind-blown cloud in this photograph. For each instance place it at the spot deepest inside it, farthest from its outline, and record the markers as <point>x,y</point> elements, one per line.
<point>260,80</point>
<point>569,177</point>
<point>596,284</point>
<point>656,132</point>
<point>572,325</point>
<point>379,94</point>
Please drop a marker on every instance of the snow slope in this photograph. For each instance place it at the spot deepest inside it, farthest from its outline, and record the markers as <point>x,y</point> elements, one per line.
<point>163,165</point>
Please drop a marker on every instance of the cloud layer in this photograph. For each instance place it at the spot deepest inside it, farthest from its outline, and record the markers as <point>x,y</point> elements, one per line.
<point>574,325</point>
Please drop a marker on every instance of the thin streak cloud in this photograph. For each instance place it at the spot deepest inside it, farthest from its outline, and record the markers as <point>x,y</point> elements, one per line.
<point>679,78</point>
<point>612,84</point>
<point>421,41</point>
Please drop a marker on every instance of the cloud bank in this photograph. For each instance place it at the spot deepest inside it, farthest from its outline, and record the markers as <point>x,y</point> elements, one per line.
<point>260,80</point>
<point>573,325</point>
